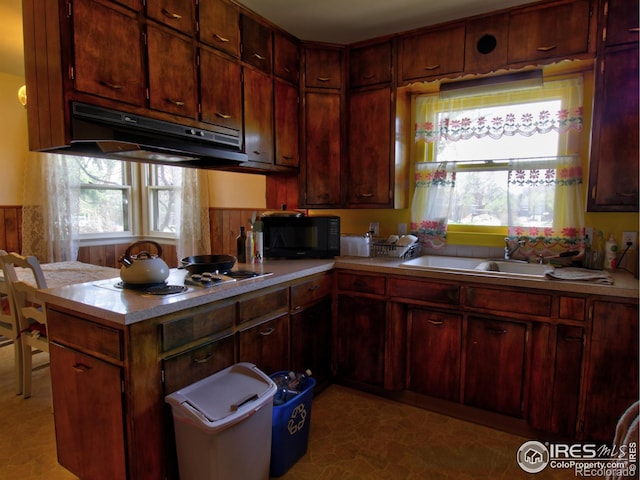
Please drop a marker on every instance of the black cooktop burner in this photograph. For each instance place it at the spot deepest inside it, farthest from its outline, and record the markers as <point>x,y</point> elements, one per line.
<point>152,288</point>
<point>242,274</point>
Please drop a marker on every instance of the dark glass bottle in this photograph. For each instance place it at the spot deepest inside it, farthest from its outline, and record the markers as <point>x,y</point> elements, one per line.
<point>241,242</point>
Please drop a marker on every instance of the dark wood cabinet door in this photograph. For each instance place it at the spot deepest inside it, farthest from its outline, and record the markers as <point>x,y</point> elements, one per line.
<point>433,53</point>
<point>566,385</point>
<point>435,340</point>
<point>323,68</point>
<point>188,367</point>
<point>546,32</point>
<point>101,34</point>
<point>370,65</point>
<point>89,419</point>
<point>256,43</point>
<point>612,376</point>
<point>286,59</point>
<point>321,169</point>
<point>311,340</point>
<point>266,345</point>
<point>220,25</point>
<point>486,44</point>
<point>177,14</point>
<point>494,365</point>
<point>370,163</point>
<point>220,90</point>
<point>172,72</point>
<point>621,22</point>
<point>613,172</point>
<point>287,130</point>
<point>361,339</point>
<point>258,116</point>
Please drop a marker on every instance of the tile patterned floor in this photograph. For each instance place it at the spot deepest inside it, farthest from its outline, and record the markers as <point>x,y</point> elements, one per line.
<point>353,436</point>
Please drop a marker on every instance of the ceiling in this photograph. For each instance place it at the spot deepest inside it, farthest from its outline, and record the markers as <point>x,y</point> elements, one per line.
<point>333,21</point>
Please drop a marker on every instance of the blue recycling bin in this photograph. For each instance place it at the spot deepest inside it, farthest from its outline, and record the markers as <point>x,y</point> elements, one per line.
<point>290,429</point>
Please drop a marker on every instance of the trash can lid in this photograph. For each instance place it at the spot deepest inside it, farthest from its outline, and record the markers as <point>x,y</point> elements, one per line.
<point>227,394</point>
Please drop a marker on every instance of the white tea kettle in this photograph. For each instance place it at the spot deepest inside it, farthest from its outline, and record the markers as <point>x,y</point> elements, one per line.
<point>143,268</point>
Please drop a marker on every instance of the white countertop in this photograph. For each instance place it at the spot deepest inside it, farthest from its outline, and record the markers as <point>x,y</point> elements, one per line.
<point>101,299</point>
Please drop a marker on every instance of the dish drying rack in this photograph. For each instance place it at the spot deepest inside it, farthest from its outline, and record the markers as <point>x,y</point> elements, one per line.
<point>381,248</point>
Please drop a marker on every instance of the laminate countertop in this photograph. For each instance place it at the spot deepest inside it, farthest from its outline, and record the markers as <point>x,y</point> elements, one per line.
<point>103,299</point>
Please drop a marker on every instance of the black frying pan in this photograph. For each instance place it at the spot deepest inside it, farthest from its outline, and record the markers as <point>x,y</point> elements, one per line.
<point>208,263</point>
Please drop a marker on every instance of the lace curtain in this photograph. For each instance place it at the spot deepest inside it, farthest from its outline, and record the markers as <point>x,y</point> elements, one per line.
<point>51,201</point>
<point>193,236</point>
<point>558,179</point>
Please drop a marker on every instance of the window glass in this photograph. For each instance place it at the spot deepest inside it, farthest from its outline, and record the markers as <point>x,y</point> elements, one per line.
<point>164,193</point>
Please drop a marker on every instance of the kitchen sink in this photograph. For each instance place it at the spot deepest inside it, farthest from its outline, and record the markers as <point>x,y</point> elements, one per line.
<point>470,264</point>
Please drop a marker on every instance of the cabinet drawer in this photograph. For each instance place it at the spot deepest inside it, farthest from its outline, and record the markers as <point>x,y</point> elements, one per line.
<point>199,323</point>
<point>85,335</point>
<point>426,291</point>
<point>198,363</point>
<point>572,308</point>
<point>268,304</point>
<point>525,303</point>
<point>361,283</point>
<point>310,291</point>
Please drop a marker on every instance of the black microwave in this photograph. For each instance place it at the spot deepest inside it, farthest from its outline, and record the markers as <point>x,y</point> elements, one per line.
<point>301,236</point>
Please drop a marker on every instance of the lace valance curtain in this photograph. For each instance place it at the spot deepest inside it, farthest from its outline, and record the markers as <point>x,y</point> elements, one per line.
<point>557,180</point>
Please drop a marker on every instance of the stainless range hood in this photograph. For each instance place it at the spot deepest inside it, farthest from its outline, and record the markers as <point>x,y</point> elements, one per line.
<point>102,132</point>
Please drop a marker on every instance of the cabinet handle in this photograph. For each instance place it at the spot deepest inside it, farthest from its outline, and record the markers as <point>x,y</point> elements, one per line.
<point>258,56</point>
<point>433,322</point>
<point>369,76</point>
<point>634,30</point>
<point>81,367</point>
<point>267,332</point>
<point>313,288</point>
<point>220,38</point>
<point>208,357</point>
<point>323,79</point>
<point>111,85</point>
<point>171,15</point>
<point>432,67</point>
<point>177,103</point>
<point>546,49</point>
<point>366,195</point>
<point>288,157</point>
<point>626,194</point>
<point>496,331</point>
<point>223,115</point>
<point>257,152</point>
<point>572,339</point>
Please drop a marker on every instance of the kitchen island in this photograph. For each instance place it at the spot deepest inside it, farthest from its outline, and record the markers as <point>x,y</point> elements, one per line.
<point>116,354</point>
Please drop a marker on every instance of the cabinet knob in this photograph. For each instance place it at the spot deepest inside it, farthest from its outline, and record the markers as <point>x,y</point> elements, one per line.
<point>171,15</point>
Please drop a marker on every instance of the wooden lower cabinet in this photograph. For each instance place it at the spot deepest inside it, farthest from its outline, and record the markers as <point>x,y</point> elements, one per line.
<point>434,348</point>
<point>612,375</point>
<point>495,365</point>
<point>88,414</point>
<point>266,345</point>
<point>311,341</point>
<point>361,331</point>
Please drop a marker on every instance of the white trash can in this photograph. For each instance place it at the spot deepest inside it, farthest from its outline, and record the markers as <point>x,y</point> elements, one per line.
<point>223,425</point>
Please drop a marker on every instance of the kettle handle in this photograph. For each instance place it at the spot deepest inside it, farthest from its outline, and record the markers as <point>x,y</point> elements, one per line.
<point>126,257</point>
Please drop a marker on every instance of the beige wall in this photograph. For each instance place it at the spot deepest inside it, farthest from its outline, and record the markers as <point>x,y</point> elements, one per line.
<point>13,140</point>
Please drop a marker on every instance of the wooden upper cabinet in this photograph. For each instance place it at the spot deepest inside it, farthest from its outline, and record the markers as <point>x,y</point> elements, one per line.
<point>613,169</point>
<point>100,35</point>
<point>432,53</point>
<point>370,162</point>
<point>132,4</point>
<point>370,65</point>
<point>320,179</point>
<point>258,116</point>
<point>539,33</point>
<point>256,43</point>
<point>621,22</point>
<point>172,78</point>
<point>220,90</point>
<point>220,25</point>
<point>323,68</point>
<point>286,107</point>
<point>178,14</point>
<point>286,59</point>
<point>486,44</point>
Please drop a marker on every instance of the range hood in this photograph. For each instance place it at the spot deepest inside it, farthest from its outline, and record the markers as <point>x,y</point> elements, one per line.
<point>106,133</point>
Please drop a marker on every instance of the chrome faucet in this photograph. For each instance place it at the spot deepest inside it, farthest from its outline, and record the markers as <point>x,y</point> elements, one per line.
<point>509,250</point>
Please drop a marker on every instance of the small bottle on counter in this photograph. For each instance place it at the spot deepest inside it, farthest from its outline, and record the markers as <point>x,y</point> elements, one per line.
<point>241,246</point>
<point>610,253</point>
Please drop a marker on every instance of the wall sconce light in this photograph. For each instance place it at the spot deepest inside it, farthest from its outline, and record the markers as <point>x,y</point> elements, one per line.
<point>22,95</point>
